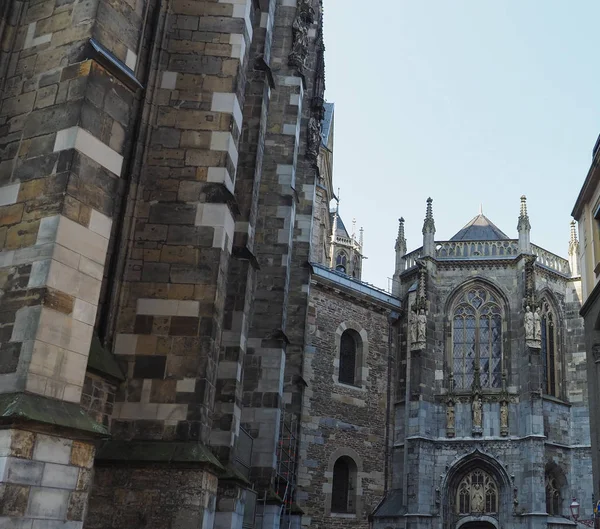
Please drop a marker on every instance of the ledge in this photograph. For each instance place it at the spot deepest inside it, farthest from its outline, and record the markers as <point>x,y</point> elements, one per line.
<point>157,452</point>
<point>113,65</point>
<point>103,361</point>
<point>36,408</point>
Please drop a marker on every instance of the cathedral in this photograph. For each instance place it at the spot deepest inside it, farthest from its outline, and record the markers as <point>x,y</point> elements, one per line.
<point>186,340</point>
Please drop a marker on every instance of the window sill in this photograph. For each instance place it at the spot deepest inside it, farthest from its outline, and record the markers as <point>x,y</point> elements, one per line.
<point>347,515</point>
<point>557,400</point>
<point>350,386</point>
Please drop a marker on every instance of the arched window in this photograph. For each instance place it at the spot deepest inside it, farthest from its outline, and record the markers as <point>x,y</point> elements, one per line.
<point>550,363</point>
<point>477,339</point>
<point>343,490</point>
<point>477,494</point>
<point>341,262</point>
<point>553,500</point>
<point>348,354</point>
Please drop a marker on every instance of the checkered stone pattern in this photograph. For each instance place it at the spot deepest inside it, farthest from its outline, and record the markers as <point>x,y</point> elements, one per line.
<point>44,480</point>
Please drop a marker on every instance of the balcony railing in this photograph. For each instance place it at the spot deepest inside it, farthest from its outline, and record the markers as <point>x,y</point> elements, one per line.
<point>489,250</point>
<point>552,261</point>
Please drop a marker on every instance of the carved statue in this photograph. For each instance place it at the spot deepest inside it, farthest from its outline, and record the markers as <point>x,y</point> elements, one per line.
<point>537,325</point>
<point>305,16</point>
<point>421,326</point>
<point>413,327</point>
<point>529,324</point>
<point>504,416</point>
<point>477,412</point>
<point>477,500</point>
<point>450,416</point>
<point>314,137</point>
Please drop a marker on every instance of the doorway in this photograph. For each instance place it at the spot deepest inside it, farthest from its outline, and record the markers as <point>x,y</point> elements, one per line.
<point>477,525</point>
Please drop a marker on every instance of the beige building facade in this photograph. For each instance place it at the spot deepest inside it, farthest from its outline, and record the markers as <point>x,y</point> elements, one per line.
<point>587,214</point>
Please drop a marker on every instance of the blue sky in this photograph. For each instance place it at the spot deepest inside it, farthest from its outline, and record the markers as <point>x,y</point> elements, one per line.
<point>466,101</point>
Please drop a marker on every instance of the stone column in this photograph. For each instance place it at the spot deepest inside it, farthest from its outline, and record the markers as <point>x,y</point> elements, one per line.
<point>265,361</point>
<point>65,113</point>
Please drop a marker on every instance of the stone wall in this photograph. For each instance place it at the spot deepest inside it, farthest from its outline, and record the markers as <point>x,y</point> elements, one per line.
<point>339,419</point>
<point>45,480</point>
<point>153,497</point>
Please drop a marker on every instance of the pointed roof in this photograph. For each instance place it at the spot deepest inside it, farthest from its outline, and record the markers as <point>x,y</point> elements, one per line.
<point>327,123</point>
<point>341,228</point>
<point>480,229</point>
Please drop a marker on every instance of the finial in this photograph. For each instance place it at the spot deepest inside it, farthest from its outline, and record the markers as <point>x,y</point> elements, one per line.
<point>573,232</point>
<point>401,239</point>
<point>354,228</point>
<point>481,208</point>
<point>361,234</point>
<point>574,251</point>
<point>429,224</point>
<point>401,228</point>
<point>523,224</point>
<point>523,206</point>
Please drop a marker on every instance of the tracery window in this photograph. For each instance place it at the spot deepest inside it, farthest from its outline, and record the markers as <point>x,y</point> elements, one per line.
<point>477,494</point>
<point>552,496</point>
<point>477,339</point>
<point>348,353</point>
<point>341,262</point>
<point>550,363</point>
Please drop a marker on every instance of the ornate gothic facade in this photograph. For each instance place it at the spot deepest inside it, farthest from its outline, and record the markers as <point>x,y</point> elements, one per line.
<point>491,409</point>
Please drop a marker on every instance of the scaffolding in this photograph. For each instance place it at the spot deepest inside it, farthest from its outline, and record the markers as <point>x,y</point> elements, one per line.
<point>284,484</point>
<point>287,457</point>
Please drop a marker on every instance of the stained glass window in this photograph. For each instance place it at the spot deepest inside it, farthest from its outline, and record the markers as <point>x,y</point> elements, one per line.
<point>477,339</point>
<point>550,364</point>
<point>341,262</point>
<point>477,494</point>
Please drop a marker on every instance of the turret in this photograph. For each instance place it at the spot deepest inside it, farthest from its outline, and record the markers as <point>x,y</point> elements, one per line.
<point>574,251</point>
<point>524,228</point>
<point>429,231</point>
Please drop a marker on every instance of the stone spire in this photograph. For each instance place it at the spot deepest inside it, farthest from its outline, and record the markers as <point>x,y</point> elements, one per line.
<point>429,230</point>
<point>400,246</point>
<point>574,251</point>
<point>524,228</point>
<point>361,235</point>
<point>400,262</point>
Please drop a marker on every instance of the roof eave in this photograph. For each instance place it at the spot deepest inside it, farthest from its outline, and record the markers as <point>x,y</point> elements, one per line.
<point>591,181</point>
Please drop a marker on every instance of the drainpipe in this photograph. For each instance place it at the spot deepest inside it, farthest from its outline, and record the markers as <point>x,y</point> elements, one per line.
<point>410,300</point>
<point>393,317</point>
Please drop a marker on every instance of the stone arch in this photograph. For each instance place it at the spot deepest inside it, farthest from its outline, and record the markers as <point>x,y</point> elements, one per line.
<point>345,453</point>
<point>464,522</point>
<point>461,467</point>
<point>362,352</point>
<point>554,470</point>
<point>452,302</point>
<point>472,281</point>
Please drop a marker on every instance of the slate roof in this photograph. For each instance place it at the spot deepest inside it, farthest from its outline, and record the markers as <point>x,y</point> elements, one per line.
<point>341,228</point>
<point>326,125</point>
<point>480,229</point>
